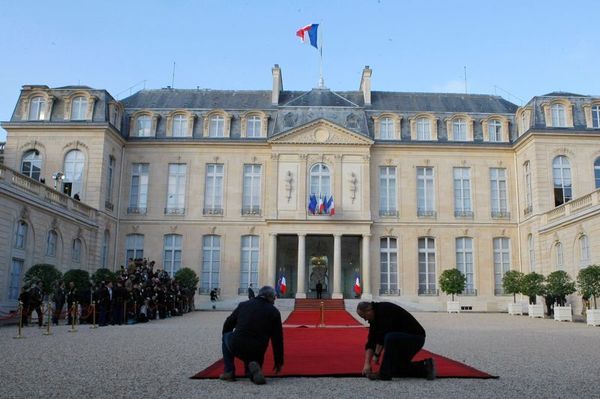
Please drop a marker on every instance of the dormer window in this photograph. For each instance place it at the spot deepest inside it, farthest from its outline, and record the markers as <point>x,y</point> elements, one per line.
<point>217,126</point>
<point>495,131</point>
<point>423,129</point>
<point>37,109</point>
<point>143,126</point>
<point>180,126</point>
<point>253,126</point>
<point>31,164</point>
<point>386,129</point>
<point>596,116</point>
<point>459,129</point>
<point>79,108</point>
<point>558,115</point>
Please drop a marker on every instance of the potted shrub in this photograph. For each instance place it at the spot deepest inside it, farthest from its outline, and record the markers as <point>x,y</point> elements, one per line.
<point>511,282</point>
<point>47,274</point>
<point>559,285</point>
<point>588,281</point>
<point>532,285</point>
<point>452,282</point>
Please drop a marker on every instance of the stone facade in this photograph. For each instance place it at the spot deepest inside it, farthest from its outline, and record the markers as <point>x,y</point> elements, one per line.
<point>221,182</point>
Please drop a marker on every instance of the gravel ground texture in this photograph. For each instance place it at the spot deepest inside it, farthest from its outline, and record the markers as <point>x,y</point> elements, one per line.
<point>534,358</point>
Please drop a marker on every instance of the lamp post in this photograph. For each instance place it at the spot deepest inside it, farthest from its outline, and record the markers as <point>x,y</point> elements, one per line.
<point>58,177</point>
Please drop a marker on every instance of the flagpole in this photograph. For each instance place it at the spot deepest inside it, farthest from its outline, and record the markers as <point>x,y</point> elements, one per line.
<point>321,80</point>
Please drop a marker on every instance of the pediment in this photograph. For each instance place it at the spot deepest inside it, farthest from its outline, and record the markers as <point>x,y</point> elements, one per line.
<point>321,132</point>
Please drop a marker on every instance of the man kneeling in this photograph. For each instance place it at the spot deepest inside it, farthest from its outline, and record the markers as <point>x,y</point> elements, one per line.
<point>396,333</point>
<point>246,334</point>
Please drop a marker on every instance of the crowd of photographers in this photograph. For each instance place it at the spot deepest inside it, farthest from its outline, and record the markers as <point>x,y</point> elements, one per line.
<point>139,293</point>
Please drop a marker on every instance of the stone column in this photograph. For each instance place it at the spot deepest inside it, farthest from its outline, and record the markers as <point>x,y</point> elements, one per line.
<point>272,270</point>
<point>337,267</point>
<point>300,290</point>
<point>366,268</point>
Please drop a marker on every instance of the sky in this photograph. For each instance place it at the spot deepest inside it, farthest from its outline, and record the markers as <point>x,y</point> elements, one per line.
<point>515,49</point>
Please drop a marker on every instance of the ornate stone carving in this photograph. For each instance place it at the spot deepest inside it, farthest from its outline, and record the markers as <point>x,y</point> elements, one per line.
<point>353,186</point>
<point>289,181</point>
<point>135,228</point>
<point>173,228</point>
<point>24,212</point>
<point>275,157</point>
<point>251,229</point>
<point>388,231</point>
<point>54,224</point>
<point>212,229</point>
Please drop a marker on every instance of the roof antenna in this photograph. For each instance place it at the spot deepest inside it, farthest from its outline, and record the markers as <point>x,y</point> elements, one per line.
<point>465,79</point>
<point>173,77</point>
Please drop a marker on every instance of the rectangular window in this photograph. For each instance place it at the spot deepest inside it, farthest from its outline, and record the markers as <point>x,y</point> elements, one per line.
<point>386,129</point>
<point>134,247</point>
<point>584,249</point>
<point>254,127</point>
<point>51,243</point>
<point>213,189</point>
<point>558,116</point>
<point>21,235</point>
<point>596,116</point>
<point>180,126</point>
<point>388,266</point>
<point>425,192</point>
<point>216,127</point>
<point>499,193</point>
<point>251,190</point>
<point>76,254</point>
<point>176,188</point>
<point>459,130</point>
<point>531,249</point>
<point>462,192</point>
<point>464,262</point>
<point>427,266</point>
<point>528,189</point>
<point>423,129</point>
<point>211,263</point>
<point>138,196</point>
<point>109,183</point>
<point>249,266</point>
<point>16,269</point>
<point>560,261</point>
<point>501,262</point>
<point>387,191</point>
<point>172,253</point>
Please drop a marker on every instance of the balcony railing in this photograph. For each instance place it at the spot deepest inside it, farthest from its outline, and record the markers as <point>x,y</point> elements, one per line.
<point>500,214</point>
<point>251,211</point>
<point>212,211</point>
<point>573,207</point>
<point>469,292</point>
<point>388,212</point>
<point>389,291</point>
<point>499,291</point>
<point>426,213</point>
<point>428,291</point>
<point>174,211</point>
<point>463,214</point>
<point>134,210</point>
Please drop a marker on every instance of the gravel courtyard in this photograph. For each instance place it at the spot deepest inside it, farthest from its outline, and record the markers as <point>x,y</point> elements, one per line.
<point>534,358</point>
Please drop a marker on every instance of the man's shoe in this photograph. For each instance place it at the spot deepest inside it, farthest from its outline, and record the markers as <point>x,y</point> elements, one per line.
<point>227,376</point>
<point>429,369</point>
<point>378,377</point>
<point>256,374</point>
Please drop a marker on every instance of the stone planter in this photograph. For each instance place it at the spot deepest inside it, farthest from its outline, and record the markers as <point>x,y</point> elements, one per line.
<point>515,308</point>
<point>536,310</point>
<point>453,307</point>
<point>563,313</point>
<point>593,317</point>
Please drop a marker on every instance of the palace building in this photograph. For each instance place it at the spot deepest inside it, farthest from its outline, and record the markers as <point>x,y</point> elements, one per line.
<point>245,187</point>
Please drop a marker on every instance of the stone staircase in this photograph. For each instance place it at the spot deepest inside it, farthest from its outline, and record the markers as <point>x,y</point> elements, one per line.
<point>315,304</point>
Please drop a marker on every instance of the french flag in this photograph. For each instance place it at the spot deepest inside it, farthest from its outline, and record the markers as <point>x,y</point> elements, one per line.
<point>282,285</point>
<point>309,32</point>
<point>357,289</point>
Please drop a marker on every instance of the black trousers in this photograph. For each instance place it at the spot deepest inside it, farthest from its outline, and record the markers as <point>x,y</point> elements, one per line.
<point>399,349</point>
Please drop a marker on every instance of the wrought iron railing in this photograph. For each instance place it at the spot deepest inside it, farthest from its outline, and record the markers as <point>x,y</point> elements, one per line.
<point>174,211</point>
<point>134,210</point>
<point>212,211</point>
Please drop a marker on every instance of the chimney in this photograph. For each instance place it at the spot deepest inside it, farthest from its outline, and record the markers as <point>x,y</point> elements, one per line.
<point>277,84</point>
<point>365,84</point>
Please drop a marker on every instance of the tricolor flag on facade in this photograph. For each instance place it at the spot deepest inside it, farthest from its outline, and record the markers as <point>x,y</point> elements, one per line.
<point>309,32</point>
<point>312,204</point>
<point>357,289</point>
<point>320,206</point>
<point>330,206</point>
<point>282,285</point>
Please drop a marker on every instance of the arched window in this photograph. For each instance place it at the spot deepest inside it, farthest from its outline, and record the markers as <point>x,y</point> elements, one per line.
<point>143,126</point>
<point>320,180</point>
<point>253,126</point>
<point>51,243</point>
<point>388,266</point>
<point>31,164</point>
<point>180,125</point>
<point>386,129</point>
<point>21,235</point>
<point>79,108</point>
<point>597,172</point>
<point>559,256</point>
<point>427,277</point>
<point>561,172</point>
<point>464,262</point>
<point>134,247</point>
<point>104,250</point>
<point>558,115</point>
<point>76,254</point>
<point>459,130</point>
<point>531,250</point>
<point>250,259</point>
<point>37,108</point>
<point>423,129</point>
<point>216,127</point>
<point>211,263</point>
<point>584,251</point>
<point>73,179</point>
<point>495,131</point>
<point>172,253</point>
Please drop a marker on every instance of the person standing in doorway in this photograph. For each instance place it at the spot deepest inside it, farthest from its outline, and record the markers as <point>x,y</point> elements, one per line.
<point>319,290</point>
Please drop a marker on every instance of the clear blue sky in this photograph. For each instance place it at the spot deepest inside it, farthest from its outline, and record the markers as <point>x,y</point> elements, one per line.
<point>525,48</point>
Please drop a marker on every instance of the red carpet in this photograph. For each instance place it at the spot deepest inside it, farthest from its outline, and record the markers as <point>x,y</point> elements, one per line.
<point>311,318</point>
<point>332,352</point>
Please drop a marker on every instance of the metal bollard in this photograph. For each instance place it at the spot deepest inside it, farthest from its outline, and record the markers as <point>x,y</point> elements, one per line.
<point>73,317</point>
<point>20,325</point>
<point>49,310</point>
<point>93,306</point>
<point>322,323</point>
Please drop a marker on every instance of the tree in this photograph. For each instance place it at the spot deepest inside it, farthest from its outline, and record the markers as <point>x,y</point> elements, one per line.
<point>559,285</point>
<point>588,281</point>
<point>47,274</point>
<point>81,278</point>
<point>187,278</point>
<point>532,285</point>
<point>452,281</point>
<point>103,275</point>
<point>511,282</point>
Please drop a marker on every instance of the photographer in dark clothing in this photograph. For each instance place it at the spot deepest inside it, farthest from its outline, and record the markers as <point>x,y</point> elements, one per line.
<point>246,335</point>
<point>396,333</point>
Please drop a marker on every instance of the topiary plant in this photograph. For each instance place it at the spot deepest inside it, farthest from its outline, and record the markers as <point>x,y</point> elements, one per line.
<point>81,278</point>
<point>559,285</point>
<point>532,285</point>
<point>511,282</point>
<point>588,281</point>
<point>187,278</point>
<point>103,275</point>
<point>452,282</point>
<point>47,274</point>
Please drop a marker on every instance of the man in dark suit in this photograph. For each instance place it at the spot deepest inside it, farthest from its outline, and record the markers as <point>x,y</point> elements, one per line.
<point>246,335</point>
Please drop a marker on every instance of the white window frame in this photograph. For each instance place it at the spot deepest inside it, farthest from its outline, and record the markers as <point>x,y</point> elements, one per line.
<point>249,261</point>
<point>134,247</point>
<point>74,171</point>
<point>425,191</point>
<point>388,266</point>
<point>51,243</point>
<point>213,188</point>
<point>176,188</point>
<point>559,256</point>
<point>424,129</point>
<point>597,172</point>
<point>427,266</point>
<point>559,117</point>
<point>386,128</point>
<point>388,205</point>
<point>211,263</point>
<point>21,234</point>
<point>528,187</point>
<point>110,178</point>
<point>216,127</point>
<point>77,250</point>
<point>465,262</point>
<point>499,192</point>
<point>501,246</point>
<point>138,194</point>
<point>531,251</point>
<point>172,252</point>
<point>254,126</point>
<point>37,108</point>
<point>459,129</point>
<point>179,126</point>
<point>561,178</point>
<point>33,160</point>
<point>15,277</point>
<point>584,250</point>
<point>251,195</point>
<point>104,249</point>
<point>143,126</point>
<point>79,107</point>
<point>463,204</point>
<point>595,116</point>
<point>320,180</point>
<point>495,131</point>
